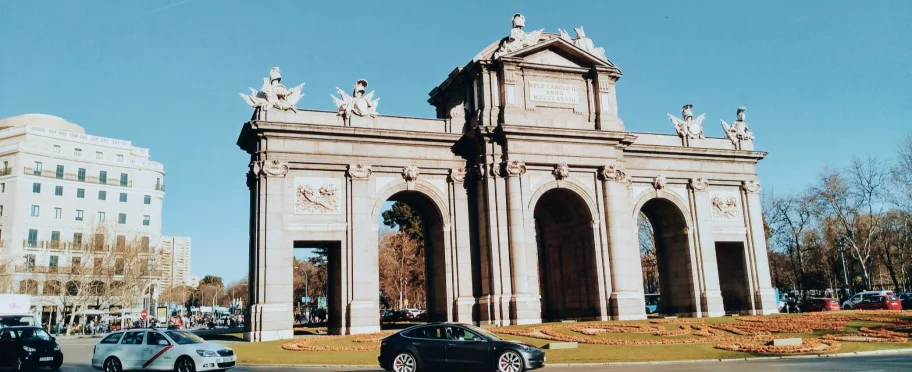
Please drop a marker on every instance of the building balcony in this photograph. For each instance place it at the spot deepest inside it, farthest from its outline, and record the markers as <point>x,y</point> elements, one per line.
<point>75,177</point>
<point>6,171</point>
<point>160,187</point>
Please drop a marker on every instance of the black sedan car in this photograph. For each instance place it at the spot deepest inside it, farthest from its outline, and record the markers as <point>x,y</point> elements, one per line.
<point>27,348</point>
<point>437,346</point>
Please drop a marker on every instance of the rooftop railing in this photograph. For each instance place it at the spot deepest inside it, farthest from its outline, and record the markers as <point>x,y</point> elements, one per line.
<point>77,178</point>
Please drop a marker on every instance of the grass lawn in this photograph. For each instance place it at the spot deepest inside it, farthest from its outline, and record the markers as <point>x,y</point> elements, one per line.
<point>272,353</point>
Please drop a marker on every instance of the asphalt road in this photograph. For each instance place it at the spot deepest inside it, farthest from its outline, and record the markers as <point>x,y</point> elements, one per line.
<point>78,354</point>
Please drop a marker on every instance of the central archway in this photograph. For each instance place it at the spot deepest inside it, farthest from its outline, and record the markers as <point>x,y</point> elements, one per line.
<point>566,256</point>
<point>672,257</point>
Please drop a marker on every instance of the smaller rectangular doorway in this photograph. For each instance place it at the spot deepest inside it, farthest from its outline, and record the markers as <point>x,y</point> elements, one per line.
<point>324,268</point>
<point>731,263</point>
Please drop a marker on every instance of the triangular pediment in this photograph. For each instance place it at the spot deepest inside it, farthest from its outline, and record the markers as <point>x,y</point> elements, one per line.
<point>559,52</point>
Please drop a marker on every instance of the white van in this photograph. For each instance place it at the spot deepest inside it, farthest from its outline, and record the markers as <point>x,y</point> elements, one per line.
<point>858,297</point>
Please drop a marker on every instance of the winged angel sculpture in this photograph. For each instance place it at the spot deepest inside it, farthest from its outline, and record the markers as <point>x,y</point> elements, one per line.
<point>688,127</point>
<point>358,103</point>
<point>273,94</point>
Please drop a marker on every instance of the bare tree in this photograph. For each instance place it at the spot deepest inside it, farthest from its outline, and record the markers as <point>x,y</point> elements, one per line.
<point>648,259</point>
<point>402,268</point>
<point>792,219</point>
<point>854,199</point>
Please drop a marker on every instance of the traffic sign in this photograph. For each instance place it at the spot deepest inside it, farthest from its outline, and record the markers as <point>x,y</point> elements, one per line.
<point>144,314</point>
<point>305,300</point>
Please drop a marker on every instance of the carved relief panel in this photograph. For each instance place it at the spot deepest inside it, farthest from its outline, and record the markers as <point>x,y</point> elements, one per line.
<point>726,206</point>
<point>317,195</point>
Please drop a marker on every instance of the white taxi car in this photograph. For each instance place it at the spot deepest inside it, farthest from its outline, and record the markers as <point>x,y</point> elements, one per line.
<point>160,350</point>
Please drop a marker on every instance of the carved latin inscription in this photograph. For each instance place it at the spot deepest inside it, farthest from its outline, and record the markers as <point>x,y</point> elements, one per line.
<point>553,93</point>
<point>317,195</point>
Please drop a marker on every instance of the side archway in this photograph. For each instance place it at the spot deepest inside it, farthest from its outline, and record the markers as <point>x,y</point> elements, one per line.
<point>669,229</point>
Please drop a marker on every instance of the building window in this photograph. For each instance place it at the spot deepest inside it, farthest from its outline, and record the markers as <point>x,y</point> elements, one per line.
<point>1,211</point>
<point>101,217</point>
<point>81,193</point>
<point>56,149</point>
<point>33,238</point>
<point>103,177</point>
<point>36,188</point>
<point>3,187</point>
<point>77,241</point>
<point>120,158</point>
<point>123,197</point>
<point>146,219</point>
<point>102,195</point>
<point>5,166</point>
<point>121,218</point>
<point>77,261</point>
<point>35,211</point>
<point>53,261</point>
<point>79,214</point>
<point>55,236</point>
<point>144,244</point>
<point>37,170</point>
<point>81,176</point>
<point>99,155</point>
<point>121,242</point>
<point>58,190</point>
<point>59,173</point>
<point>124,179</point>
<point>147,199</point>
<point>77,152</point>
<point>58,213</point>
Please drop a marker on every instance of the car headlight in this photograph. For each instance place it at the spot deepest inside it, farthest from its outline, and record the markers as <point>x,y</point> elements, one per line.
<point>28,349</point>
<point>526,348</point>
<point>56,347</point>
<point>207,353</point>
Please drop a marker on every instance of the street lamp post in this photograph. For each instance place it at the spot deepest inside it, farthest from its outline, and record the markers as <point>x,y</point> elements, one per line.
<point>153,261</point>
<point>840,245</point>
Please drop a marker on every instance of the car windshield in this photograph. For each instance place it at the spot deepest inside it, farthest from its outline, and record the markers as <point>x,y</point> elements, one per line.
<point>482,332</point>
<point>892,298</point>
<point>17,320</point>
<point>183,338</point>
<point>32,334</point>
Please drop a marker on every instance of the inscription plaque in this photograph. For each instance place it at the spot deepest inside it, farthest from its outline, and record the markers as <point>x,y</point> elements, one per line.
<point>553,93</point>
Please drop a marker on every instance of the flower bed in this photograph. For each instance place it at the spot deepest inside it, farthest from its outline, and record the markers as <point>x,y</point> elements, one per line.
<point>306,344</point>
<point>809,345</point>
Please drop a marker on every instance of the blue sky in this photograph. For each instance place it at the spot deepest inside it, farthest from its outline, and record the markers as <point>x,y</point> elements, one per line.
<point>821,80</point>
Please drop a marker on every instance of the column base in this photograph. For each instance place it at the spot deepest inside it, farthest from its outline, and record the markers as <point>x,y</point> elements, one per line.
<point>628,306</point>
<point>711,302</point>
<point>492,312</point>
<point>364,317</point>
<point>463,307</point>
<point>261,336</point>
<point>525,309</point>
<point>765,302</point>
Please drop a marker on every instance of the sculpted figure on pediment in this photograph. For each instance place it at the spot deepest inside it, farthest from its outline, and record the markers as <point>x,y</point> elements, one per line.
<point>518,38</point>
<point>273,94</point>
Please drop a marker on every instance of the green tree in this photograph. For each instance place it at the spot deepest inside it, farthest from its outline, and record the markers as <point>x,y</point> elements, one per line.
<point>212,280</point>
<point>406,219</point>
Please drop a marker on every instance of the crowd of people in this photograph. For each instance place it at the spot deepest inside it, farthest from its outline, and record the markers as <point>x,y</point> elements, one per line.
<point>95,325</point>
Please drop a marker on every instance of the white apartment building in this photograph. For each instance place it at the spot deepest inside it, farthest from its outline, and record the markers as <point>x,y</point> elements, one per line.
<point>175,252</point>
<point>59,184</point>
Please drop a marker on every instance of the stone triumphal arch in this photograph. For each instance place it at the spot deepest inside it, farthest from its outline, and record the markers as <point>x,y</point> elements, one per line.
<point>530,187</point>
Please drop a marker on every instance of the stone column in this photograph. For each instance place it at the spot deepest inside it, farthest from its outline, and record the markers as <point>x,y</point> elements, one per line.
<point>271,257</point>
<point>365,267</point>
<point>764,296</point>
<point>462,268</point>
<point>627,300</point>
<point>711,294</point>
<point>525,308</point>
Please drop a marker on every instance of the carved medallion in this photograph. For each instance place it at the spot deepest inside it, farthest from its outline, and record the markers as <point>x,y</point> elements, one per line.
<point>659,182</point>
<point>317,195</point>
<point>457,175</point>
<point>410,173</point>
<point>561,171</point>
<point>270,168</point>
<point>359,171</point>
<point>751,186</point>
<point>725,206</point>
<point>698,184</point>
<point>514,168</point>
<point>613,173</point>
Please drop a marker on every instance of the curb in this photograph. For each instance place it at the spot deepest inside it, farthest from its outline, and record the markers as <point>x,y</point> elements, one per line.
<point>691,361</point>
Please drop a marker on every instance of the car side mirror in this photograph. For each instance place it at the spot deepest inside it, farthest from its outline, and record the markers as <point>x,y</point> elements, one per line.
<point>53,338</point>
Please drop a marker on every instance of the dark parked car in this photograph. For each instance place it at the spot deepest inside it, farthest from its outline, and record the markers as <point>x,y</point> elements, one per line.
<point>461,347</point>
<point>819,304</point>
<point>26,348</point>
<point>906,300</point>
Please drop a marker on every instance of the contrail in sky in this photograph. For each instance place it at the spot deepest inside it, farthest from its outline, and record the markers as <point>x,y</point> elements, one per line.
<point>156,10</point>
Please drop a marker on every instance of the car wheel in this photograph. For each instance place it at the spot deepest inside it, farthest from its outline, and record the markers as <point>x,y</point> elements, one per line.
<point>405,362</point>
<point>57,364</point>
<point>184,364</point>
<point>510,361</point>
<point>112,365</point>
<point>846,307</point>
